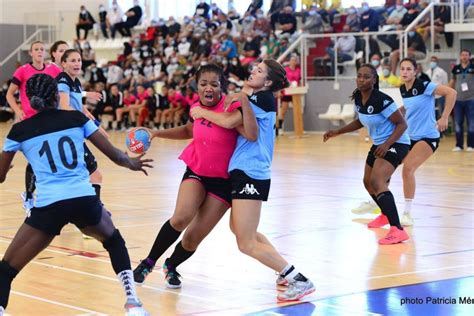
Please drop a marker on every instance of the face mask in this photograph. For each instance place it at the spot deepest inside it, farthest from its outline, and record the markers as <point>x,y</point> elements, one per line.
<point>135,72</point>
<point>386,72</point>
<point>172,43</point>
<point>234,62</point>
<point>399,7</point>
<point>189,67</point>
<point>148,62</point>
<point>203,63</point>
<point>249,39</point>
<point>351,11</point>
<point>259,16</point>
<point>411,33</point>
<point>184,40</point>
<point>312,13</point>
<point>161,41</point>
<point>157,61</point>
<point>186,21</point>
<point>433,65</point>
<point>202,42</point>
<point>365,8</point>
<point>134,66</point>
<point>101,9</point>
<point>224,62</point>
<point>375,62</point>
<point>202,1</point>
<point>248,19</point>
<point>83,11</point>
<point>5,87</point>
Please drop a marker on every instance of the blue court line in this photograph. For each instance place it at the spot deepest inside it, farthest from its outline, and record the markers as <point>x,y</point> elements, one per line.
<point>447,297</point>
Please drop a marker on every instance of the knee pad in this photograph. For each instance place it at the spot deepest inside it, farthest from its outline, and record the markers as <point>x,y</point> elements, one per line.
<point>115,241</point>
<point>7,270</point>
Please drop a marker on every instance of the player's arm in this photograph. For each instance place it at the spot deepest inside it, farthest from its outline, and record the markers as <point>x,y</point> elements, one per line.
<point>64,101</point>
<point>351,127</point>
<point>12,89</point>
<point>450,95</point>
<point>180,132</point>
<point>225,119</point>
<point>6,159</point>
<point>117,156</point>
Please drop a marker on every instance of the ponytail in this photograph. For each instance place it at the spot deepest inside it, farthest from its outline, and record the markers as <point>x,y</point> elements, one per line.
<point>42,91</point>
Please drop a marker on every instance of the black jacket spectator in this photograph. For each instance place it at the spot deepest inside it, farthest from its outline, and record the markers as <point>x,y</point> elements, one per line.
<point>369,20</point>
<point>86,22</point>
<point>202,9</point>
<point>134,16</point>
<point>287,18</point>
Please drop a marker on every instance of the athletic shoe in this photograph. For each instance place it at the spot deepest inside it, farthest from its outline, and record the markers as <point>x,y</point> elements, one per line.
<point>378,222</point>
<point>366,207</point>
<point>406,220</point>
<point>457,148</point>
<point>142,271</point>
<point>172,276</point>
<point>470,149</point>
<point>394,236</point>
<point>2,311</point>
<point>135,308</point>
<point>296,290</point>
<point>281,280</point>
<point>27,204</point>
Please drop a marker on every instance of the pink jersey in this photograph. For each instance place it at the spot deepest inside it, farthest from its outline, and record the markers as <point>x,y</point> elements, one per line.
<point>21,76</point>
<point>55,70</point>
<point>175,99</point>
<point>293,75</point>
<point>190,100</point>
<point>209,153</point>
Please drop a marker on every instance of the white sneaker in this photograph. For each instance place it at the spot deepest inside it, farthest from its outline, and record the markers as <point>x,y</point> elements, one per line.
<point>470,149</point>
<point>457,149</point>
<point>135,308</point>
<point>366,207</point>
<point>406,220</point>
<point>281,280</point>
<point>297,290</point>
<point>28,204</point>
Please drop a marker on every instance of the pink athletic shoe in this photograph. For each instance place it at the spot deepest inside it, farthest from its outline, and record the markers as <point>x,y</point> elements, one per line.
<point>378,222</point>
<point>394,236</point>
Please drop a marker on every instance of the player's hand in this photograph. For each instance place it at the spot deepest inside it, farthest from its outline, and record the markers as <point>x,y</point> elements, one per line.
<point>381,150</point>
<point>19,116</point>
<point>96,96</point>
<point>442,124</point>
<point>236,97</point>
<point>197,112</point>
<point>329,134</point>
<point>139,164</point>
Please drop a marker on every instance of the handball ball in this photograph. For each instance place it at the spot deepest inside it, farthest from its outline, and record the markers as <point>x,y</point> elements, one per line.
<point>138,140</point>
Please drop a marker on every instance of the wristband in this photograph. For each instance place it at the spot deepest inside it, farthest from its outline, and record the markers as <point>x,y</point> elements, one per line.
<point>84,94</point>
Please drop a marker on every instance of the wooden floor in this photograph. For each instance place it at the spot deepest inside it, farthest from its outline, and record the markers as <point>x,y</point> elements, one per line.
<point>308,218</point>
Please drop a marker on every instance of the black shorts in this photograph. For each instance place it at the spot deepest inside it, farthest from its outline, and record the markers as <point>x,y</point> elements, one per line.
<point>246,188</point>
<point>82,211</point>
<point>287,98</point>
<point>218,188</point>
<point>432,142</point>
<point>395,154</point>
<point>91,162</point>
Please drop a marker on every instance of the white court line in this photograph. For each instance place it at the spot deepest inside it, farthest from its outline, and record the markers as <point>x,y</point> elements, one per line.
<point>58,303</point>
<point>98,276</point>
<point>420,271</point>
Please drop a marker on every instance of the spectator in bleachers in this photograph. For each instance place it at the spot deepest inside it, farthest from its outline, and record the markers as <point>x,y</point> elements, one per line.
<point>226,26</point>
<point>273,46</point>
<point>134,16</point>
<point>276,9</point>
<point>184,47</point>
<point>215,10</point>
<point>369,19</point>
<point>442,16</point>
<point>103,20</point>
<point>261,26</point>
<point>202,9</point>
<point>236,72</point>
<point>128,100</point>
<point>376,61</point>
<point>388,79</point>
<point>172,116</point>
<point>254,6</point>
<point>114,16</point>
<point>247,23</point>
<point>173,27</point>
<point>94,74</point>
<point>85,22</point>
<point>420,74</point>
<point>114,100</point>
<point>163,105</point>
<point>345,49</point>
<point>293,74</point>
<point>287,21</point>
<point>147,112</point>
<point>353,19</point>
<point>314,22</point>
<point>99,106</point>
<point>440,77</point>
<point>391,24</point>
<point>250,51</point>
<point>141,97</point>
<point>88,55</point>
<point>228,49</point>
<point>148,72</point>
<point>416,50</point>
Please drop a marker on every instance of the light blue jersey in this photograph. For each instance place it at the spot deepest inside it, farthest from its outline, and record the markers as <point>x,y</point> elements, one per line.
<point>73,88</point>
<point>419,103</point>
<point>375,116</point>
<point>255,158</point>
<point>53,143</point>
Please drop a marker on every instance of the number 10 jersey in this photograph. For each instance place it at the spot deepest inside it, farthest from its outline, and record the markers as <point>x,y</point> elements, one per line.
<point>53,143</point>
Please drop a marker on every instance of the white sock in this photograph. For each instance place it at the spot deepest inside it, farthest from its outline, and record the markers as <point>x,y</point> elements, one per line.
<point>289,273</point>
<point>408,206</point>
<point>126,278</point>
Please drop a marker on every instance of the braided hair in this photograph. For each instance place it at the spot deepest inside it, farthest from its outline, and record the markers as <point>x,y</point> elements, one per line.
<point>374,74</point>
<point>277,74</point>
<point>213,68</point>
<point>42,91</point>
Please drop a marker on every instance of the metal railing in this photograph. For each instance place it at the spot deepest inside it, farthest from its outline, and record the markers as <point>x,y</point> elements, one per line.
<point>36,36</point>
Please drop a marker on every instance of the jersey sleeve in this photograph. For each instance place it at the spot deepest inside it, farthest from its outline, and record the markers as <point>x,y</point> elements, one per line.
<point>18,76</point>
<point>89,128</point>
<point>12,143</point>
<point>63,85</point>
<point>430,88</point>
<point>234,106</point>
<point>390,109</point>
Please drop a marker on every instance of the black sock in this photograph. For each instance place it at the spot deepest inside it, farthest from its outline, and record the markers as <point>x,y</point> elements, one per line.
<point>115,246</point>
<point>374,197</point>
<point>157,125</point>
<point>119,125</point>
<point>166,237</point>
<point>389,208</point>
<point>280,123</point>
<point>30,182</point>
<point>134,124</point>
<point>7,274</point>
<point>97,190</point>
<point>179,255</point>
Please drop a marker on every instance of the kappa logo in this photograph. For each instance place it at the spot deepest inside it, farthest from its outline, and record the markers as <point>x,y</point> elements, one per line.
<point>386,102</point>
<point>425,83</point>
<point>370,109</point>
<point>434,144</point>
<point>249,189</point>
<point>254,98</point>
<point>392,150</point>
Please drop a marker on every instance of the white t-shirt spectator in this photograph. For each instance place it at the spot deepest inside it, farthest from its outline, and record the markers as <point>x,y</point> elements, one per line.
<point>438,76</point>
<point>114,74</point>
<point>171,68</point>
<point>346,44</point>
<point>115,14</point>
<point>169,51</point>
<point>183,48</point>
